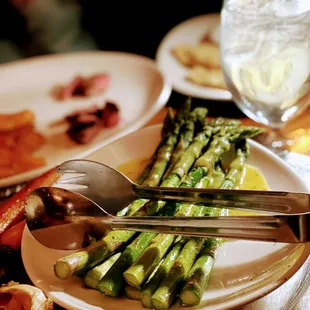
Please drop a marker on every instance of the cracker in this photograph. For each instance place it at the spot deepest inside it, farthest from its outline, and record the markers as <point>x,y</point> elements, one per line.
<point>206,54</point>
<point>207,77</point>
<point>183,53</point>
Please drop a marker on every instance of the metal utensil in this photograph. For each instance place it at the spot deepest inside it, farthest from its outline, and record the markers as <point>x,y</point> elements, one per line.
<point>61,219</point>
<point>113,191</point>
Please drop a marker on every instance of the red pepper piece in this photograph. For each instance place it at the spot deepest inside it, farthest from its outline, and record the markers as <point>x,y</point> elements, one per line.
<point>12,210</point>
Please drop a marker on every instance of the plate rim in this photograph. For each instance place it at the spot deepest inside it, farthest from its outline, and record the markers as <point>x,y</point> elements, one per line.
<point>176,87</point>
<point>157,105</point>
<point>251,297</point>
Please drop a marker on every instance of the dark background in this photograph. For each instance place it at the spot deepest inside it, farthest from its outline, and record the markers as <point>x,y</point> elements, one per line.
<point>139,28</point>
<point>128,26</point>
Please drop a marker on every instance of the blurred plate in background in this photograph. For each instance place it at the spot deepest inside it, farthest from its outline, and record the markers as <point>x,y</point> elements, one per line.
<point>137,87</point>
<point>189,32</point>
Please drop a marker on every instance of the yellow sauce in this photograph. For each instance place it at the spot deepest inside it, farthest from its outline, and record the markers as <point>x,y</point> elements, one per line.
<point>253,178</point>
<point>133,168</point>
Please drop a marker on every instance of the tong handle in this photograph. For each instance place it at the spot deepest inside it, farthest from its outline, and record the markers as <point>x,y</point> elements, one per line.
<point>274,202</point>
<point>285,229</point>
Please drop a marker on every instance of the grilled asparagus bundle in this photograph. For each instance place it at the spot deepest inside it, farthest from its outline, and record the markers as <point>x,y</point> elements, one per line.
<point>155,268</point>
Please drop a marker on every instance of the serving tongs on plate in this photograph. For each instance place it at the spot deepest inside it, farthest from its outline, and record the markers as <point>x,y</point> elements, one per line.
<point>60,218</point>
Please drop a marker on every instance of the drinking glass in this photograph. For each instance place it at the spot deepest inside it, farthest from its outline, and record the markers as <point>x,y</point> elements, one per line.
<point>265,55</point>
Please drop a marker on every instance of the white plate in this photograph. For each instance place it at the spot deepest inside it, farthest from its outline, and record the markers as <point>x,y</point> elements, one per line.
<point>244,270</point>
<point>137,86</point>
<point>191,31</point>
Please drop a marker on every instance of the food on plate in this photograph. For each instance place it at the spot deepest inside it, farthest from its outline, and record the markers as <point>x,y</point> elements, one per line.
<point>206,38</point>
<point>13,236</point>
<point>85,124</point>
<point>12,210</point>
<point>15,296</point>
<point>12,224</point>
<point>206,77</point>
<point>183,53</point>
<point>212,34</point>
<point>86,86</point>
<point>19,140</point>
<point>110,115</point>
<point>161,269</point>
<point>207,55</point>
<point>96,84</point>
<point>84,127</point>
<point>93,277</point>
<point>203,63</point>
<point>10,122</point>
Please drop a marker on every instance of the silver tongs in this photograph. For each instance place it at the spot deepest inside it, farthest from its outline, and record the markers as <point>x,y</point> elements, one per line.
<point>97,191</point>
<point>52,212</point>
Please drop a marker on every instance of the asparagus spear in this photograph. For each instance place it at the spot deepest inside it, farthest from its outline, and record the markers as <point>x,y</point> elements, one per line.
<point>161,271</point>
<point>205,163</point>
<point>237,167</point>
<point>132,292</point>
<point>191,293</point>
<point>168,124</point>
<point>195,285</point>
<point>196,119</point>
<point>183,209</point>
<point>166,130</point>
<point>87,258</point>
<point>165,293</point>
<point>139,271</point>
<point>108,285</point>
<point>76,262</point>
<point>159,275</point>
<point>219,146</point>
<point>93,276</point>
<point>197,116</point>
<point>135,205</point>
<point>185,162</point>
<point>112,282</point>
<point>165,151</point>
<point>218,176</point>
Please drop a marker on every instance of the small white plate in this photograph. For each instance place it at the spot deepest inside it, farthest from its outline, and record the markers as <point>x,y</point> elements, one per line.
<point>191,31</point>
<point>137,86</point>
<point>244,270</point>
